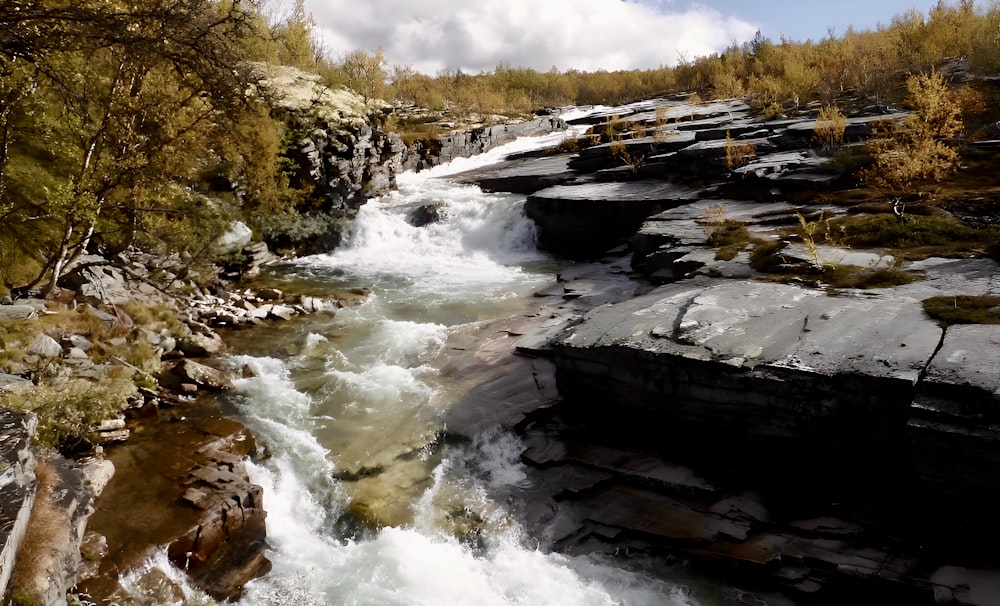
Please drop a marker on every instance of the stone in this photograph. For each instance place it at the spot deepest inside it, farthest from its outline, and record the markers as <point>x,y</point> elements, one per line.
<point>79,342</point>
<point>45,346</point>
<point>17,312</point>
<point>270,294</point>
<point>281,312</point>
<point>236,237</point>
<point>204,376</point>
<point>200,345</point>
<point>13,383</point>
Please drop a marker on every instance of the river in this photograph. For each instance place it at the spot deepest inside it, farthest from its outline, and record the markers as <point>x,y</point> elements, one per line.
<point>367,505</point>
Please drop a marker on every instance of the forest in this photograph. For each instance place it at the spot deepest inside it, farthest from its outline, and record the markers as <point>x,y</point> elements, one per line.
<point>137,123</point>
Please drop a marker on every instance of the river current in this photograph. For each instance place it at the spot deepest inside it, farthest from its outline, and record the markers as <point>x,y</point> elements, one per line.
<point>366,505</point>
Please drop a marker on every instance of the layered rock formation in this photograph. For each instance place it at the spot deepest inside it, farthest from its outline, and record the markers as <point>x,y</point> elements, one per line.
<point>834,442</point>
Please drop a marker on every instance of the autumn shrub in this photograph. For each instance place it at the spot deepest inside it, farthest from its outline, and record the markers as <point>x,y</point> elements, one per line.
<point>738,153</point>
<point>915,151</point>
<point>830,126</point>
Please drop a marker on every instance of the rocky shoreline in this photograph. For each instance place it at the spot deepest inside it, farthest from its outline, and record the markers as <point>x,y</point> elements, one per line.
<point>180,474</point>
<point>836,444</point>
<point>833,443</point>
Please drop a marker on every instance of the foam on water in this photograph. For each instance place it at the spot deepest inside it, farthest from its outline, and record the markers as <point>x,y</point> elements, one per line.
<point>360,392</point>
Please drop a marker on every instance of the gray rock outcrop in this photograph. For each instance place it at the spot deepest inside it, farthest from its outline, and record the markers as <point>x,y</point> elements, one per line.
<point>17,487</point>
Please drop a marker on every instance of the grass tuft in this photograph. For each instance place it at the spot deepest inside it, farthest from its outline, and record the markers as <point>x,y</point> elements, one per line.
<point>964,309</point>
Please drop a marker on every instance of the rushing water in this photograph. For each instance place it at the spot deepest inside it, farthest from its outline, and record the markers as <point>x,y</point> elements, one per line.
<point>365,505</point>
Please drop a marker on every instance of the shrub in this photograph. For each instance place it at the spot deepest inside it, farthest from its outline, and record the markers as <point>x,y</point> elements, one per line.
<point>912,152</point>
<point>738,154</point>
<point>69,409</point>
<point>830,126</point>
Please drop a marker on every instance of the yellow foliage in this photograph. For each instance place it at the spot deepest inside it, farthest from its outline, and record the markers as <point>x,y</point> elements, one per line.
<point>738,153</point>
<point>830,126</point>
<point>912,151</point>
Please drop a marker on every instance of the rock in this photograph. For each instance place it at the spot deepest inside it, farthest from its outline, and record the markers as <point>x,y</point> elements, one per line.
<point>281,312</point>
<point>238,236</point>
<point>17,487</point>
<point>582,221</point>
<point>204,376</point>
<point>270,294</point>
<point>17,312</point>
<point>199,345</point>
<point>14,383</point>
<point>765,368</point>
<point>97,283</point>
<point>110,319</point>
<point>79,342</point>
<point>63,506</point>
<point>424,215</point>
<point>45,346</point>
<point>966,587</point>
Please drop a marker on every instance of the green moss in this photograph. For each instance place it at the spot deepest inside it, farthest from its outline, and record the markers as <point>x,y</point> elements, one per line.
<point>848,276</point>
<point>964,309</point>
<point>918,235</point>
<point>729,233</point>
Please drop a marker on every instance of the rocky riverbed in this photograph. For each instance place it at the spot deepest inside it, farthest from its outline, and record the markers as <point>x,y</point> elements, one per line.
<point>836,442</point>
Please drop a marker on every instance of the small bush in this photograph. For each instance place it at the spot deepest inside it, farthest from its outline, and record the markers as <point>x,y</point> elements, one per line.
<point>964,309</point>
<point>766,256</point>
<point>68,409</point>
<point>738,154</point>
<point>729,238</point>
<point>830,126</point>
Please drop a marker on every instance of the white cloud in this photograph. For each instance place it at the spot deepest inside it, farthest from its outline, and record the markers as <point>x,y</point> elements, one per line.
<point>569,34</point>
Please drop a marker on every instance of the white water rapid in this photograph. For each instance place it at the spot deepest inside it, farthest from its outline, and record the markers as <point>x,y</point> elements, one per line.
<point>365,506</point>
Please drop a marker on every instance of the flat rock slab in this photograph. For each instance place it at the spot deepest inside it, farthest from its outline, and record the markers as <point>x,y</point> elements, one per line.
<point>523,175</point>
<point>970,357</point>
<point>965,586</point>
<point>748,324</point>
<point>17,312</point>
<point>640,191</point>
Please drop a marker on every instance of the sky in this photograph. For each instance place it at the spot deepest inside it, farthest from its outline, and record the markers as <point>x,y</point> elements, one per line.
<point>478,35</point>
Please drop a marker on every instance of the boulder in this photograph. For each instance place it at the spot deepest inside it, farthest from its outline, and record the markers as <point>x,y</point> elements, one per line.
<point>45,346</point>
<point>236,237</point>
<point>200,345</point>
<point>97,283</point>
<point>424,215</point>
<point>17,312</point>
<point>14,383</point>
<point>204,376</point>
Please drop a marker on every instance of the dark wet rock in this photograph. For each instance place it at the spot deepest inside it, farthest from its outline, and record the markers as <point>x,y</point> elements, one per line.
<point>583,221</point>
<point>183,486</point>
<point>224,551</point>
<point>424,215</point>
